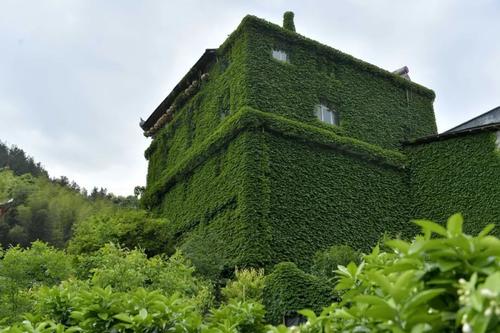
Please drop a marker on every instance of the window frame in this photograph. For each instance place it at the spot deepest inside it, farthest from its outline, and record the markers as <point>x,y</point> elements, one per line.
<point>323,109</point>
<point>280,55</point>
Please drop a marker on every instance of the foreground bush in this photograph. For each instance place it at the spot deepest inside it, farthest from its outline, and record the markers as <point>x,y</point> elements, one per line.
<point>442,281</point>
<point>75,308</point>
<point>30,280</point>
<point>247,285</point>
<point>326,262</point>
<point>22,270</point>
<point>126,270</point>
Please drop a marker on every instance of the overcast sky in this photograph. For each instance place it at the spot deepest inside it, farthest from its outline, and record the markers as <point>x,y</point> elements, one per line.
<point>75,76</point>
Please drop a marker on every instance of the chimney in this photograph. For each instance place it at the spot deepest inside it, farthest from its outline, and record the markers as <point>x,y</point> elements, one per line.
<point>288,21</point>
<point>403,72</point>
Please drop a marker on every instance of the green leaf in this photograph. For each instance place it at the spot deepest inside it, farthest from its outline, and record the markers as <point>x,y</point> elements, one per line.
<point>123,317</point>
<point>480,323</point>
<point>370,299</point>
<point>343,314</point>
<point>309,314</point>
<point>486,230</point>
<point>417,246</point>
<point>422,297</point>
<point>342,270</point>
<point>360,269</point>
<point>492,282</point>
<point>344,283</point>
<point>421,328</point>
<point>143,313</point>
<point>403,285</point>
<point>403,265</point>
<point>432,244</point>
<point>383,312</point>
<point>352,268</point>
<point>491,244</point>
<point>103,315</point>
<point>454,224</point>
<point>399,245</point>
<point>431,226</point>
<point>462,242</point>
<point>77,315</point>
<point>446,266</point>
<point>381,280</point>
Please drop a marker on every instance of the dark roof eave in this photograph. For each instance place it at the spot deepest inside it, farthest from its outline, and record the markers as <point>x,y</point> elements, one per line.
<point>207,57</point>
<point>468,121</point>
<point>447,135</point>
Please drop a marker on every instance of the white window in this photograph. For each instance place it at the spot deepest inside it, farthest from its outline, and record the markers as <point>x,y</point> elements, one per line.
<point>326,115</point>
<point>280,55</point>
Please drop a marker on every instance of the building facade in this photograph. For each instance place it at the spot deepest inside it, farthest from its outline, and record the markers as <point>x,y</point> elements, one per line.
<point>274,146</point>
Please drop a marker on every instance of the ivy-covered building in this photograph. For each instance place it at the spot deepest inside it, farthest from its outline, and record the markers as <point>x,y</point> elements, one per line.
<point>274,146</point>
<point>458,171</point>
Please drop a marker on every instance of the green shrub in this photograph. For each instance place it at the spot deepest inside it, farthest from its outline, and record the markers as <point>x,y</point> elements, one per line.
<point>128,227</point>
<point>126,270</point>
<point>325,262</point>
<point>247,285</point>
<point>236,316</point>
<point>289,289</point>
<point>21,270</point>
<point>442,281</point>
<point>27,277</point>
<point>95,309</point>
<point>104,310</point>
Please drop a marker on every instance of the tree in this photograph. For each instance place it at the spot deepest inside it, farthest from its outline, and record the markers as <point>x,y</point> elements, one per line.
<point>18,161</point>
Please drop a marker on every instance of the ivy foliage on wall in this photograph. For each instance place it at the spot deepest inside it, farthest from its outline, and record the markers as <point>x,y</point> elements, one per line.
<point>200,115</point>
<point>249,176</point>
<point>320,196</point>
<point>289,289</point>
<point>458,174</point>
<point>374,105</point>
<point>246,162</point>
<point>288,23</point>
<point>233,201</point>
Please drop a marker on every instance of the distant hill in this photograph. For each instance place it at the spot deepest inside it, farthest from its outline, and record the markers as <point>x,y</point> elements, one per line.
<point>44,208</point>
<point>15,159</point>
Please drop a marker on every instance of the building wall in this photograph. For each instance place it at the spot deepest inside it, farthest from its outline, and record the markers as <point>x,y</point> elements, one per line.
<point>374,106</point>
<point>263,189</point>
<point>457,175</point>
<point>320,196</point>
<point>213,209</point>
<point>198,117</point>
<point>249,176</point>
<point>201,172</point>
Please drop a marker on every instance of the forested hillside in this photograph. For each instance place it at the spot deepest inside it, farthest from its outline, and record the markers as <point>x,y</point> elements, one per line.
<point>37,207</point>
<point>15,159</point>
